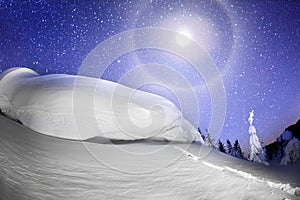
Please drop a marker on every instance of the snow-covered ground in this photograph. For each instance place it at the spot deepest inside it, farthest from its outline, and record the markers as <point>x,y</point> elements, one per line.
<point>151,156</point>
<point>36,166</point>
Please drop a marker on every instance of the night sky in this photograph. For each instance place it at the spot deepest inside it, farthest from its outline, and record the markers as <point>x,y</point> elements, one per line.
<point>254,44</point>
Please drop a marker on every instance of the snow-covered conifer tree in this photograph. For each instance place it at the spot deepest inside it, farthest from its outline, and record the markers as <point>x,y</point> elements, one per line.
<point>291,152</point>
<point>255,149</point>
<point>209,141</point>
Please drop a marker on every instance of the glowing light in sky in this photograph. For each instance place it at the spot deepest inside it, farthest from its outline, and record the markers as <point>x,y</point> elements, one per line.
<point>183,38</point>
<point>194,27</point>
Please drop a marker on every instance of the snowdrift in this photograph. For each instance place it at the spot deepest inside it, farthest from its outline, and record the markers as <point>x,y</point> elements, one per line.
<point>60,105</point>
<point>38,167</point>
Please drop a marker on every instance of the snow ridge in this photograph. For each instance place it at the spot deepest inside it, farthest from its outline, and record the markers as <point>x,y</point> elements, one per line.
<point>213,166</point>
<point>282,186</point>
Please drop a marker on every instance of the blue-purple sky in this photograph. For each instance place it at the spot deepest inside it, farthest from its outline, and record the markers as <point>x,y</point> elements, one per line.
<point>254,44</point>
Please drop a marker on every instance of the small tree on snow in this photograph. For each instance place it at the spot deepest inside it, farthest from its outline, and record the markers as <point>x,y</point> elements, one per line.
<point>209,141</point>
<point>200,132</point>
<point>255,149</point>
<point>221,147</point>
<point>229,147</point>
<point>237,150</point>
<point>234,150</point>
<point>237,147</point>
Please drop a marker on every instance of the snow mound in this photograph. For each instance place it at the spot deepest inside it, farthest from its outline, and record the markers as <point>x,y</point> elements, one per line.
<point>46,103</point>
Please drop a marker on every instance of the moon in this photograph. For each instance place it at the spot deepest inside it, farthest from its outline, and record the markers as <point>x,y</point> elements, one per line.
<point>183,38</point>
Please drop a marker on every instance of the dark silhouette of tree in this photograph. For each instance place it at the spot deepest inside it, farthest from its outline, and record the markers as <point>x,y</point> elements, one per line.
<point>203,137</point>
<point>234,150</point>
<point>229,147</point>
<point>237,148</point>
<point>221,147</point>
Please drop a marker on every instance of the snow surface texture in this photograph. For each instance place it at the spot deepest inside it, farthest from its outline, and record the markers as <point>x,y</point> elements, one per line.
<point>291,152</point>
<point>39,167</point>
<point>46,104</point>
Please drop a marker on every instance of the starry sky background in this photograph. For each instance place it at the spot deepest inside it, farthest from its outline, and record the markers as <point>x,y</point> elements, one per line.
<point>254,44</point>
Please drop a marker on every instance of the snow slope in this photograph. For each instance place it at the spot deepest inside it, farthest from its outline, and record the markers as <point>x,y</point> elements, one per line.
<point>36,166</point>
<point>76,107</point>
